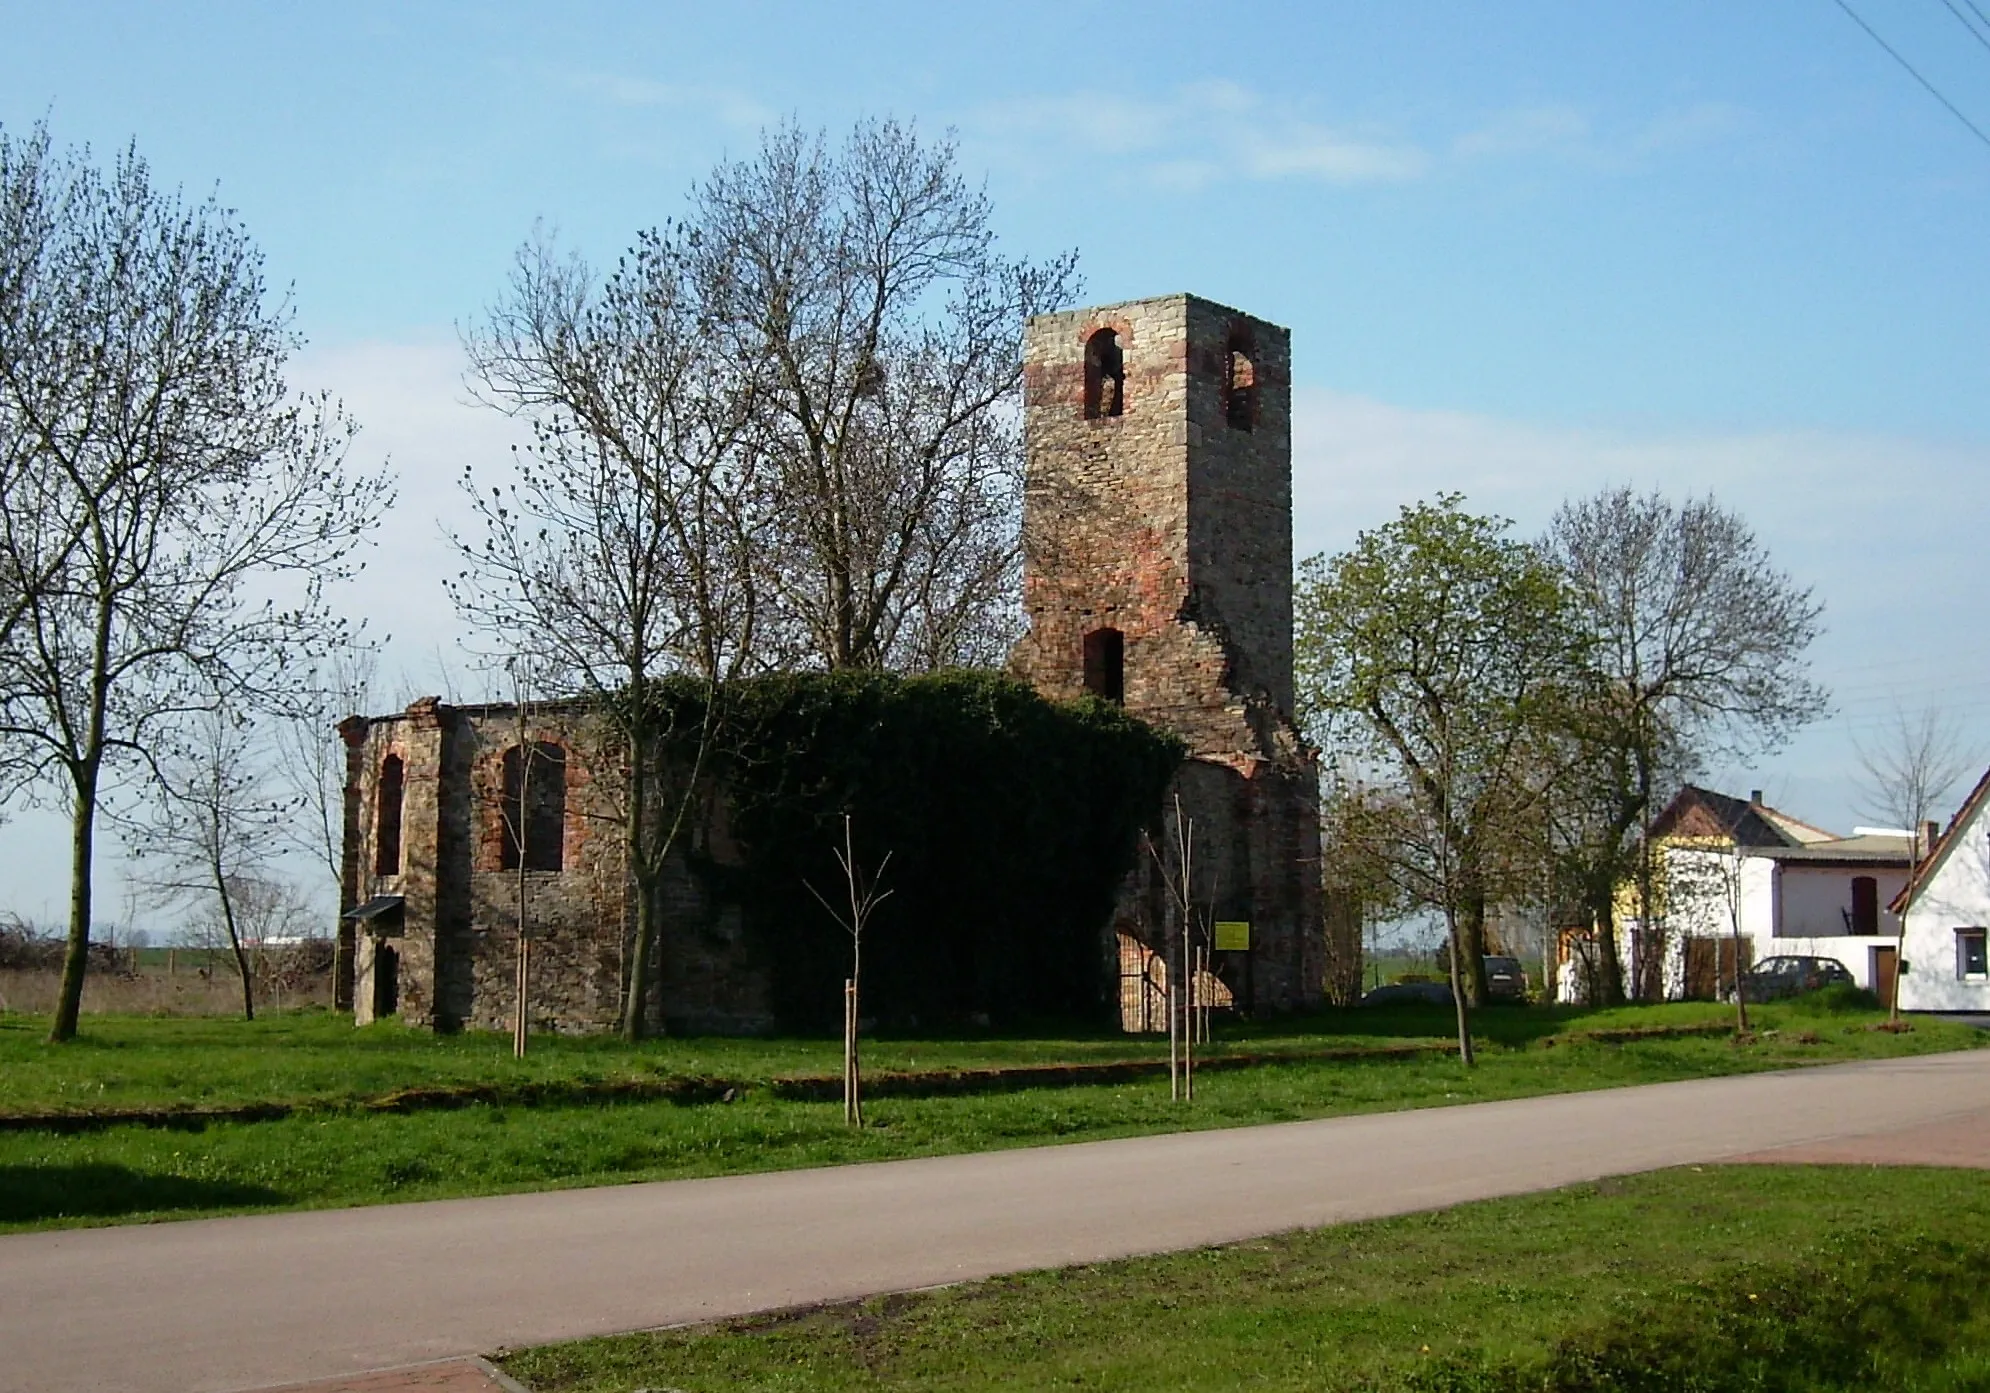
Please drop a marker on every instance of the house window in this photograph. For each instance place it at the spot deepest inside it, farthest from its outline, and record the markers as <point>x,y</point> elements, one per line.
<point>387,817</point>
<point>1865,905</point>
<point>534,807</point>
<point>1105,664</point>
<point>1105,376</point>
<point>1971,959</point>
<point>1240,383</point>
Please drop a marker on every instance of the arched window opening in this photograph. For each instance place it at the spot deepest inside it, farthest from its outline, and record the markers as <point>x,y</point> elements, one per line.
<point>387,817</point>
<point>1240,384</point>
<point>1865,905</point>
<point>1105,664</point>
<point>534,807</point>
<point>1105,376</point>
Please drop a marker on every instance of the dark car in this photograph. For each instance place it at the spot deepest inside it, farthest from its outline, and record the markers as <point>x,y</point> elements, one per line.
<point>1789,975</point>
<point>1506,980</point>
<point>1409,994</point>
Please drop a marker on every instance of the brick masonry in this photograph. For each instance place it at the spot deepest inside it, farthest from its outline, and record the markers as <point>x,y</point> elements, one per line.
<point>454,944</point>
<point>1170,524</point>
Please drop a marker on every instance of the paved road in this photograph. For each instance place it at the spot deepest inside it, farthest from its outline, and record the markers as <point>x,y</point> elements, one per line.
<point>228,1304</point>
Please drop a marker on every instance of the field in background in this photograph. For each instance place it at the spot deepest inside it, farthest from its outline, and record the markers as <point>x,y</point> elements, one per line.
<point>175,982</point>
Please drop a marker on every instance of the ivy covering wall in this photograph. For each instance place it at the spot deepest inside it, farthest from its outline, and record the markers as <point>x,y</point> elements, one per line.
<point>1011,822</point>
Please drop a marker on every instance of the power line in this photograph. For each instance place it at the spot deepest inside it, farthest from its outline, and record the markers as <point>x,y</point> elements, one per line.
<point>1963,19</point>
<point>1978,13</point>
<point>1914,72</point>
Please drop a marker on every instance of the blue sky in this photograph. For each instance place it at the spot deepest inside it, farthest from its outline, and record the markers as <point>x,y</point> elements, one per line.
<point>1526,249</point>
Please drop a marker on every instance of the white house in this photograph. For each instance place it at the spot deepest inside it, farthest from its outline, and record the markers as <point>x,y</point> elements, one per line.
<point>1945,966</point>
<point>1792,887</point>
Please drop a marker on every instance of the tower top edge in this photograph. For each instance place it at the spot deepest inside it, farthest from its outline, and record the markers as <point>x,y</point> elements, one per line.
<point>1199,303</point>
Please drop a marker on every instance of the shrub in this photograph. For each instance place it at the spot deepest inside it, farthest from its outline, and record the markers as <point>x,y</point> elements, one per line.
<point>1840,997</point>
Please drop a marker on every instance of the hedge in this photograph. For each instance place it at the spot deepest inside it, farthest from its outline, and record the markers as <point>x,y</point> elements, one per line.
<point>1011,822</point>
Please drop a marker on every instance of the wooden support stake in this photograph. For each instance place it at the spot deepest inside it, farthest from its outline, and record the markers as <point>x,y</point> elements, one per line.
<point>853,1109</point>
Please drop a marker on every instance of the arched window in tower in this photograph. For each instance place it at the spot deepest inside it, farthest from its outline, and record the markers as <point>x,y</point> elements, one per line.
<point>534,807</point>
<point>1105,664</point>
<point>1105,376</point>
<point>387,817</point>
<point>1865,905</point>
<point>1240,382</point>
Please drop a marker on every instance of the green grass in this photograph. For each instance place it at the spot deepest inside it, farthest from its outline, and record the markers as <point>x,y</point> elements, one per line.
<point>316,1057</point>
<point>335,1156</point>
<point>1706,1280</point>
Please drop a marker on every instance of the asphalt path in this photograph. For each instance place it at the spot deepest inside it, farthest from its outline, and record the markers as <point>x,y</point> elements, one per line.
<point>227,1304</point>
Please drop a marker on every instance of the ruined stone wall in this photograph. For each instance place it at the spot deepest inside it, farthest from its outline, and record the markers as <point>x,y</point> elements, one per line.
<point>457,942</point>
<point>1171,522</point>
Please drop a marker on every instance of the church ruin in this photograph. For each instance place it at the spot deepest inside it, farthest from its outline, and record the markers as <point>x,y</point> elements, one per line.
<point>1157,574</point>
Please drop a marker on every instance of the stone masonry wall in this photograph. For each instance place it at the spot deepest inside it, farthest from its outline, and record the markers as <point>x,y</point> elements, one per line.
<point>1173,525</point>
<point>458,939</point>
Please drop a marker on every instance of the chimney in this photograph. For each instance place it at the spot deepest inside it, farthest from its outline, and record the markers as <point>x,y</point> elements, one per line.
<point>1755,796</point>
<point>1930,833</point>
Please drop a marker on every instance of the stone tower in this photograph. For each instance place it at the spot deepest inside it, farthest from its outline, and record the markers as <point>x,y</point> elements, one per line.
<point>1157,572</point>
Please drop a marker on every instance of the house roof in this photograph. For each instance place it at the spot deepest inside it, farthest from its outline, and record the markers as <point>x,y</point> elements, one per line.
<point>1939,853</point>
<point>1701,812</point>
<point>1867,850</point>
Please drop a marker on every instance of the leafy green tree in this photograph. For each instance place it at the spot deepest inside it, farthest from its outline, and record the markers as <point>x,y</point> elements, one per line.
<point>1440,650</point>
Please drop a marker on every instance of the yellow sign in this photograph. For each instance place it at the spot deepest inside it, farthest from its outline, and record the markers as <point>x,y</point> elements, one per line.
<point>1233,936</point>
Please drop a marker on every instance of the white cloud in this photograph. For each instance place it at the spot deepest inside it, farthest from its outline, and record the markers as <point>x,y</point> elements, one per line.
<point>1199,135</point>
<point>1525,131</point>
<point>1702,123</point>
<point>1208,133</point>
<point>725,105</point>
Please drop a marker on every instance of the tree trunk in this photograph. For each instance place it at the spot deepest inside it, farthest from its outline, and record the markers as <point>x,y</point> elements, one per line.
<point>1469,937</point>
<point>1608,978</point>
<point>235,946</point>
<point>1466,1054</point>
<point>635,843</point>
<point>76,952</point>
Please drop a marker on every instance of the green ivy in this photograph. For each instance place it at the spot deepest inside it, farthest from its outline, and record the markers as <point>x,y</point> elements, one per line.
<point>1010,820</point>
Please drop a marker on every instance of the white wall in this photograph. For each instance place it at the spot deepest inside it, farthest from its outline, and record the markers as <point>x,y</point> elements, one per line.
<point>1786,907</point>
<point>1957,896</point>
<point>1815,901</point>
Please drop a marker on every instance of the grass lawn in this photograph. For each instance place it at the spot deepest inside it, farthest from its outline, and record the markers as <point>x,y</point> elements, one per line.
<point>1755,1278</point>
<point>333,1155</point>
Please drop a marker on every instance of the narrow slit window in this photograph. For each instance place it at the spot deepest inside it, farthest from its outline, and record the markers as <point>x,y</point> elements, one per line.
<point>1240,384</point>
<point>1105,376</point>
<point>387,817</point>
<point>1865,905</point>
<point>1105,664</point>
<point>534,808</point>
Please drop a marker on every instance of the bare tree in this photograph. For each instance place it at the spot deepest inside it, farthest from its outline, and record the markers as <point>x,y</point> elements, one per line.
<point>1697,648</point>
<point>212,824</point>
<point>1907,777</point>
<point>864,895</point>
<point>623,551</point>
<point>310,758</point>
<point>197,508</point>
<point>865,284</point>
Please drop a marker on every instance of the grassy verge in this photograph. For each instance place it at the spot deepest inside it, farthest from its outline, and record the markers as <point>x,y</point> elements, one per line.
<point>316,1058</point>
<point>1724,1278</point>
<point>332,1156</point>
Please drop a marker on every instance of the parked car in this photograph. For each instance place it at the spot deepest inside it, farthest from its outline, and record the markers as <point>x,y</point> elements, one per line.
<point>1790,975</point>
<point>1506,980</point>
<point>1409,994</point>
